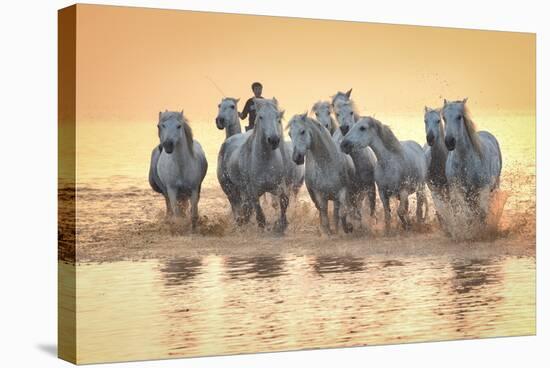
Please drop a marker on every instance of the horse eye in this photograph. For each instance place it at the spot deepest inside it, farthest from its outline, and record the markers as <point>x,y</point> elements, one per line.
<point>438,121</point>
<point>233,107</point>
<point>362,128</point>
<point>302,132</point>
<point>459,117</point>
<point>351,112</point>
<point>219,105</point>
<point>179,126</point>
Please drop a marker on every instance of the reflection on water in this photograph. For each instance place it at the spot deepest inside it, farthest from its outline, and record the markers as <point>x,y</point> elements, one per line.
<point>221,305</point>
<point>335,264</point>
<point>254,267</point>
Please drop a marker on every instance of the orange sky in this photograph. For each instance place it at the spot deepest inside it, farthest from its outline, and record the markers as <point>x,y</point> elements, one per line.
<point>132,62</point>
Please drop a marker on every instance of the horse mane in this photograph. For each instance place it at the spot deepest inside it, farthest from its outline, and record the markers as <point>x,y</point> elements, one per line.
<point>386,135</point>
<point>188,136</point>
<point>472,131</point>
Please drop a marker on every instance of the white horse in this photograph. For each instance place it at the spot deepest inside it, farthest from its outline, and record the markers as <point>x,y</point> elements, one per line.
<point>253,164</point>
<point>474,162</point>
<point>364,160</point>
<point>228,117</point>
<point>400,168</point>
<point>178,166</point>
<point>436,151</point>
<point>328,171</point>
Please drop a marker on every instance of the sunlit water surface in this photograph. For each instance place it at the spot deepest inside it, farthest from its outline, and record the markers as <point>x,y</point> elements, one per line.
<point>221,305</point>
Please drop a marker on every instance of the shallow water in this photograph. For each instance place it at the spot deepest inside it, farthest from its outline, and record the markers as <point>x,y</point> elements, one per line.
<point>116,204</point>
<point>216,304</point>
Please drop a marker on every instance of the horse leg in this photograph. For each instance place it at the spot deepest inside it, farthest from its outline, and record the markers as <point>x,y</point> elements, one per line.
<point>336,215</point>
<point>403,209</point>
<point>342,199</point>
<point>169,212</point>
<point>260,217</point>
<point>173,200</point>
<point>195,196</point>
<point>245,209</point>
<point>322,205</point>
<point>184,205</point>
<point>385,198</point>
<point>420,203</point>
<point>484,203</point>
<point>355,205</point>
<point>283,222</point>
<point>371,193</point>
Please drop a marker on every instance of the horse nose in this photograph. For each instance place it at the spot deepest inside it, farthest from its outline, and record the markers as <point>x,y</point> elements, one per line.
<point>273,141</point>
<point>430,139</point>
<point>450,142</point>
<point>168,146</point>
<point>298,158</point>
<point>220,122</point>
<point>345,146</point>
<point>344,129</point>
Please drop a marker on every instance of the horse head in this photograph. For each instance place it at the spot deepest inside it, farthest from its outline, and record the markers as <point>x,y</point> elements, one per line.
<point>268,121</point>
<point>433,126</point>
<point>227,112</point>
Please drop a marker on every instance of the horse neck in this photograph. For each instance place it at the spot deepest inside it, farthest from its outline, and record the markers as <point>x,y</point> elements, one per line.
<point>233,128</point>
<point>323,148</point>
<point>438,154</point>
<point>184,152</point>
<point>383,154</point>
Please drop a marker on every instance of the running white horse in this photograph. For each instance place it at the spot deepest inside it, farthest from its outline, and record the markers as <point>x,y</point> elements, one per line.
<point>400,168</point>
<point>178,166</point>
<point>364,160</point>
<point>474,162</point>
<point>253,164</point>
<point>436,153</point>
<point>328,171</point>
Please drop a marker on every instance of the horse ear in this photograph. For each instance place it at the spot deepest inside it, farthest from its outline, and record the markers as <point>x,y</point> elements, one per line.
<point>160,114</point>
<point>445,102</point>
<point>237,100</point>
<point>281,114</point>
<point>275,101</point>
<point>181,113</point>
<point>425,108</point>
<point>348,93</point>
<point>465,100</point>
